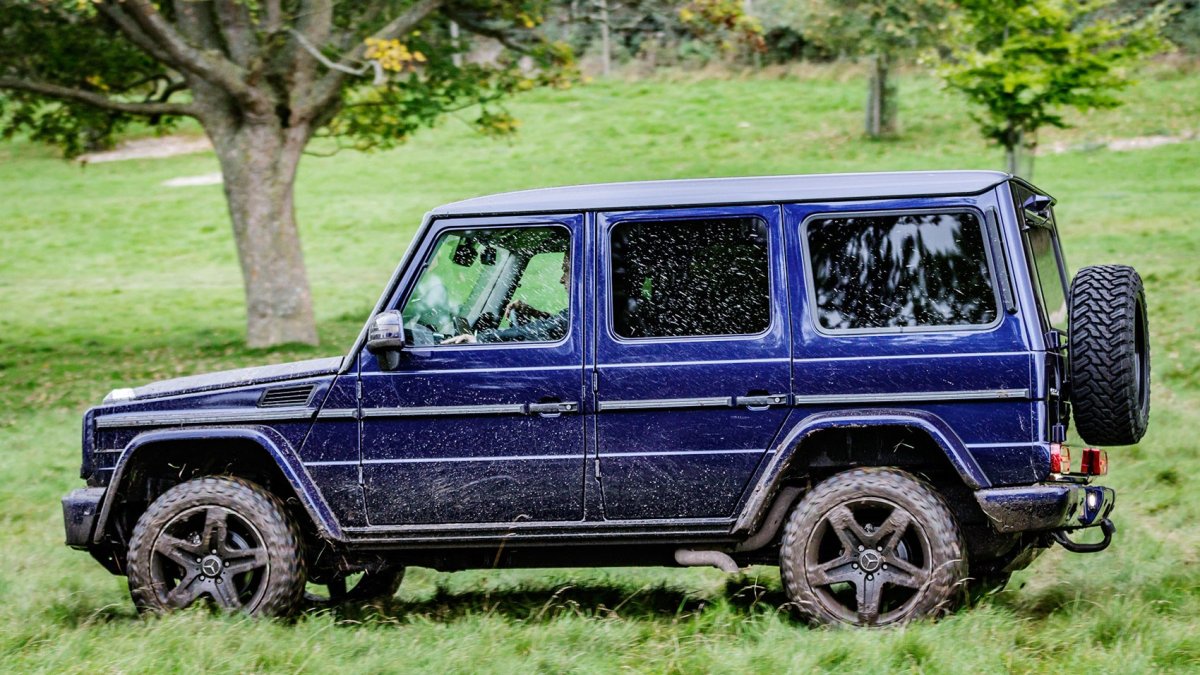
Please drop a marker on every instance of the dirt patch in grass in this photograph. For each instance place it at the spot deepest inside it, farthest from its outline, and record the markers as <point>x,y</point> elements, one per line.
<point>149,148</point>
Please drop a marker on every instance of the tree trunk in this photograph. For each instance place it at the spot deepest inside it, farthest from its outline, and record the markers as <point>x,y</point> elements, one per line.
<point>1019,152</point>
<point>259,161</point>
<point>881,99</point>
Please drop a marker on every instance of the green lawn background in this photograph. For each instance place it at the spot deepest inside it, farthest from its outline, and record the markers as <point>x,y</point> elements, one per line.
<point>109,279</point>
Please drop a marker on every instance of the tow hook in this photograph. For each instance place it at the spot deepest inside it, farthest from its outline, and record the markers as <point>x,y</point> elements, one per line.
<point>1106,526</point>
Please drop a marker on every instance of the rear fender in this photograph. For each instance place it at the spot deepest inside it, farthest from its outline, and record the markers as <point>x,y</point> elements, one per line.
<point>271,442</point>
<point>790,448</point>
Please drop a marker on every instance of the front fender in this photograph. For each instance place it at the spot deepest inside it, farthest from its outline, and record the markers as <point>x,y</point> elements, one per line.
<point>787,447</point>
<point>270,440</point>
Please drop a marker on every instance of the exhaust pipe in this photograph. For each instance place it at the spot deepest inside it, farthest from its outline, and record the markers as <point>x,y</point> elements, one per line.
<point>691,558</point>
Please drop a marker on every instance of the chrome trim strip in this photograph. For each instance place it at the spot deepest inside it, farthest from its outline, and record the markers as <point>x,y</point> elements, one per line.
<point>665,403</point>
<point>215,416</point>
<point>882,357</point>
<point>693,363</point>
<point>914,396</point>
<point>1017,444</point>
<point>337,413</point>
<point>455,371</point>
<point>437,410</point>
<point>494,458</point>
<point>671,453</point>
<point>108,451</point>
<point>516,458</point>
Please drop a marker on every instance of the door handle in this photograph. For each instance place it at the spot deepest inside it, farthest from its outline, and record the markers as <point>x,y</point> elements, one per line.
<point>552,408</point>
<point>761,402</point>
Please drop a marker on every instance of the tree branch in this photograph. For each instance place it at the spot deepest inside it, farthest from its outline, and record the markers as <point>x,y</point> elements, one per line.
<point>325,91</point>
<point>97,100</point>
<point>135,34</point>
<point>208,65</point>
<point>470,24</point>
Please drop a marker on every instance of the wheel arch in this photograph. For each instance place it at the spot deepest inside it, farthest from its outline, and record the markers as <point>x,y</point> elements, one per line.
<point>262,448</point>
<point>797,447</point>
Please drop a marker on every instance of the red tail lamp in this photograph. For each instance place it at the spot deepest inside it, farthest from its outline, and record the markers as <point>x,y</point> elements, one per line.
<point>1060,458</point>
<point>1094,462</point>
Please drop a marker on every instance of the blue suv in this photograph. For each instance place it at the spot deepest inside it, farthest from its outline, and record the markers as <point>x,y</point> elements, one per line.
<point>866,379</point>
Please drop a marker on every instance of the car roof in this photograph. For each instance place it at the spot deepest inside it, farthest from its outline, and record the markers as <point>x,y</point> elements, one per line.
<point>728,191</point>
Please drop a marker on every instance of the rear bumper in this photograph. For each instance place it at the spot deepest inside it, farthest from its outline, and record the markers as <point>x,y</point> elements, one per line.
<point>79,515</point>
<point>1044,507</point>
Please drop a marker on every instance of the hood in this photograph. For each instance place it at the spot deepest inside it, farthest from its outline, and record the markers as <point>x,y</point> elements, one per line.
<point>237,378</point>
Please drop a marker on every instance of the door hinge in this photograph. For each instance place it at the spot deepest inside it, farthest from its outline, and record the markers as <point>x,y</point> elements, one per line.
<point>597,461</point>
<point>595,381</point>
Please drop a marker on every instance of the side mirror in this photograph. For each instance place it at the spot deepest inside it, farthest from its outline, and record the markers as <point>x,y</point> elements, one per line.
<point>385,338</point>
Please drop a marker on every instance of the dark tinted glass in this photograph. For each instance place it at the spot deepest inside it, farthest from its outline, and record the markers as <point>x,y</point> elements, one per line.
<point>696,277</point>
<point>900,271</point>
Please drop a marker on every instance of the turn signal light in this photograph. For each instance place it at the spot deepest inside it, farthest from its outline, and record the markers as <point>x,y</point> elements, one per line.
<point>1094,462</point>
<point>1060,458</point>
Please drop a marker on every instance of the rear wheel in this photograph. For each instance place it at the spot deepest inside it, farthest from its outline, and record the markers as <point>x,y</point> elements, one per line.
<point>220,540</point>
<point>871,547</point>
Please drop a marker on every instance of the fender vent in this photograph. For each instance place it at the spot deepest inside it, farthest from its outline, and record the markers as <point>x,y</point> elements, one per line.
<point>286,396</point>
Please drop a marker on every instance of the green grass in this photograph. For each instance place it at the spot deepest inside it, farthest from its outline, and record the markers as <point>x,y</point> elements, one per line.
<point>108,279</point>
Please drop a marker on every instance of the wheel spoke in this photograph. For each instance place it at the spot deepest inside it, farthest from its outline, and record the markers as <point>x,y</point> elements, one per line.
<point>237,562</point>
<point>186,591</point>
<point>215,531</point>
<point>847,529</point>
<point>225,593</point>
<point>833,572</point>
<point>903,573</point>
<point>889,533</point>
<point>179,551</point>
<point>868,593</point>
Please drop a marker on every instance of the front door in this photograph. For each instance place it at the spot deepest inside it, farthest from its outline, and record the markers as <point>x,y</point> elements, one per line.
<point>692,358</point>
<point>481,423</point>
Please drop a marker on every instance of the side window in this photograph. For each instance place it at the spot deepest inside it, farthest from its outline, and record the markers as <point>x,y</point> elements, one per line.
<point>493,285</point>
<point>690,278</point>
<point>875,272</point>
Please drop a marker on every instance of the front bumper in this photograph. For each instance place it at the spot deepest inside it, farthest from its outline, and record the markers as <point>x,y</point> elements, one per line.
<point>1046,507</point>
<point>79,515</point>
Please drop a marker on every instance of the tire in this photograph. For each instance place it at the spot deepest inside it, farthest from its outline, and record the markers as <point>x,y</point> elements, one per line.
<point>223,540</point>
<point>370,586</point>
<point>872,547</point>
<point>1109,351</point>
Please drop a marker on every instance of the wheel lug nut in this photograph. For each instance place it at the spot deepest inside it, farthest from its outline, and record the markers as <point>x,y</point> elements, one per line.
<point>861,547</point>
<point>885,566</point>
<point>879,548</point>
<point>854,566</point>
<point>870,577</point>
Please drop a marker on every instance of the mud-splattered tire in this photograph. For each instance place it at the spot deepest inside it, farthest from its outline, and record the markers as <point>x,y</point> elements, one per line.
<point>1109,349</point>
<point>872,547</point>
<point>219,539</point>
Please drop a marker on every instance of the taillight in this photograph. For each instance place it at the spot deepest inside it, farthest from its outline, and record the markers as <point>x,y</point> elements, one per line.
<point>1060,458</point>
<point>1094,462</point>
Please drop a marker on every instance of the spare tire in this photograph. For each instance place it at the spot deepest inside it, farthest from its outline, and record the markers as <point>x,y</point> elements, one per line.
<point>1109,350</point>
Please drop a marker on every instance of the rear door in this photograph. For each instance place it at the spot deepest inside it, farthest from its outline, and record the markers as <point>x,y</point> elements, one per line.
<point>692,367</point>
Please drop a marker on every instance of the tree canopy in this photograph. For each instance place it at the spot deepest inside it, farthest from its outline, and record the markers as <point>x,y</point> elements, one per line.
<point>264,77</point>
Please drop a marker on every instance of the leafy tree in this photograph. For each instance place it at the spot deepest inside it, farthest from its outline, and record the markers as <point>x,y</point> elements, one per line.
<point>263,78</point>
<point>881,30</point>
<point>1021,62</point>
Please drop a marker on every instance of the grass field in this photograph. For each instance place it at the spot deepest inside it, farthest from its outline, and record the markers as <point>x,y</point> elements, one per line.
<point>108,279</point>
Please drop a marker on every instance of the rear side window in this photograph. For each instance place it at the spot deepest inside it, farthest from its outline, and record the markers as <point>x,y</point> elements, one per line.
<point>690,278</point>
<point>895,271</point>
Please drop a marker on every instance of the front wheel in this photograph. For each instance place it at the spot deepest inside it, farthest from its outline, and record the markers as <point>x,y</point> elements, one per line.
<point>221,540</point>
<point>872,547</point>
